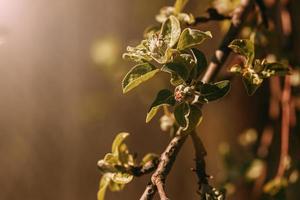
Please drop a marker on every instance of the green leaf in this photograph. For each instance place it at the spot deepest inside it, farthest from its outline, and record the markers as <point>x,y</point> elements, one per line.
<point>181,113</point>
<point>176,68</point>
<point>271,69</point>
<point>114,187</point>
<point>121,178</point>
<point>164,97</point>
<point>110,158</point>
<point>170,31</point>
<point>250,87</point>
<point>192,37</point>
<point>148,157</point>
<point>108,163</point>
<point>201,62</point>
<point>124,156</point>
<point>236,69</point>
<point>243,47</point>
<point>176,79</point>
<point>118,141</point>
<point>138,53</point>
<point>151,30</point>
<point>187,116</point>
<point>137,75</point>
<point>194,118</point>
<point>179,5</point>
<point>214,91</point>
<point>104,181</point>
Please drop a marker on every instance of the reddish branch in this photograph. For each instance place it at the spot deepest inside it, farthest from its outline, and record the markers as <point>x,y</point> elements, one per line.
<point>169,155</point>
<point>285,126</point>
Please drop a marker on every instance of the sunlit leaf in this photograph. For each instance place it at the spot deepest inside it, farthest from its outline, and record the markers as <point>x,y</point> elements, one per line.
<point>164,97</point>
<point>148,158</point>
<point>104,181</point>
<point>236,69</point>
<point>151,30</point>
<point>170,31</point>
<point>114,187</point>
<point>138,53</point>
<point>137,75</point>
<point>121,178</point>
<point>243,47</point>
<point>192,37</point>
<point>119,139</point>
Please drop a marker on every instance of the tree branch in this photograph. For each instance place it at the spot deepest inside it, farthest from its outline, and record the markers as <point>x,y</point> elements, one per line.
<point>169,155</point>
<point>221,54</point>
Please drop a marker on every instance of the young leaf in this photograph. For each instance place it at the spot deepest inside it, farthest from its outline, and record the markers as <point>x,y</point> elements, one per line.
<point>170,31</point>
<point>164,97</point>
<point>179,5</point>
<point>102,187</point>
<point>187,116</point>
<point>137,75</point>
<point>176,79</point>
<point>118,141</point>
<point>201,62</point>
<point>192,37</point>
<point>181,113</point>
<point>148,157</point>
<point>194,118</point>
<point>236,69</point>
<point>250,87</point>
<point>114,187</point>
<point>271,69</point>
<point>214,91</point>
<point>177,68</point>
<point>243,47</point>
<point>122,178</point>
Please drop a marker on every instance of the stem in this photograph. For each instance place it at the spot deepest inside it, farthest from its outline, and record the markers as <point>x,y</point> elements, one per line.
<point>213,15</point>
<point>239,17</point>
<point>285,125</point>
<point>169,155</point>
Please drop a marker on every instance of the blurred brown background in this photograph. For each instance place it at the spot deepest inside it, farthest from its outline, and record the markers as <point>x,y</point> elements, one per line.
<point>61,103</point>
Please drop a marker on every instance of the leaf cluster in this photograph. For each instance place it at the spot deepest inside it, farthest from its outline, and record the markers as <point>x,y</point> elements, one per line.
<point>254,71</point>
<point>173,51</point>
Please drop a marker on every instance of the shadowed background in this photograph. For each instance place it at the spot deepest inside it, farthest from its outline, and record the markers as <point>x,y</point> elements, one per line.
<point>61,103</point>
